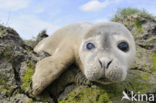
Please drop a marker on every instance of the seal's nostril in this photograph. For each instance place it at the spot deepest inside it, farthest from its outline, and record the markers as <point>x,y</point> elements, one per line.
<point>108,64</point>
<point>100,63</point>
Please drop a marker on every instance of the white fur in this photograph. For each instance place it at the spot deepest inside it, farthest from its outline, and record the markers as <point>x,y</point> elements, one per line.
<point>121,60</point>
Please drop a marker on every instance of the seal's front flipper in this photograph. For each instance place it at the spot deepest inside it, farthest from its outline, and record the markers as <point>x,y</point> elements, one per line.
<point>50,68</point>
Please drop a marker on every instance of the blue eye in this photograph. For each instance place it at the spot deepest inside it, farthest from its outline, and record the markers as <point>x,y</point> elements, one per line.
<point>90,46</point>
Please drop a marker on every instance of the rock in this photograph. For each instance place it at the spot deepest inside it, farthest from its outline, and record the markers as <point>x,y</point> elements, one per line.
<point>17,63</point>
<point>9,35</point>
<point>17,99</point>
<point>7,78</point>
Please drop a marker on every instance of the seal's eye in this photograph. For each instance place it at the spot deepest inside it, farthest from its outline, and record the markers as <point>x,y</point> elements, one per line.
<point>90,46</point>
<point>123,46</point>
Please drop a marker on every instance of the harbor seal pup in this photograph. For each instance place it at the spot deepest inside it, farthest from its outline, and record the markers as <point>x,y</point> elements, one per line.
<point>102,50</point>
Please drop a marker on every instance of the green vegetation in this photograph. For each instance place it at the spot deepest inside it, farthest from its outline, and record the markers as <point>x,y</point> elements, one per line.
<point>154,64</point>
<point>2,82</point>
<point>30,43</point>
<point>138,25</point>
<point>133,19</point>
<point>3,31</point>
<point>122,13</point>
<point>30,101</point>
<point>100,93</point>
<point>104,98</point>
<point>154,61</point>
<point>5,87</point>
<point>6,54</point>
<point>139,82</point>
<point>125,12</point>
<point>27,77</point>
<point>39,38</point>
<point>87,95</point>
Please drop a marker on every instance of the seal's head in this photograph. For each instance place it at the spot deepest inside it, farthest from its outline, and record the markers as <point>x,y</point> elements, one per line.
<point>106,51</point>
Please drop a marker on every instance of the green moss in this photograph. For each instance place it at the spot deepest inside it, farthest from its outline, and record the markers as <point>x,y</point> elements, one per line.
<point>146,76</point>
<point>154,64</point>
<point>30,101</point>
<point>5,87</point>
<point>134,65</point>
<point>28,49</point>
<point>139,82</point>
<point>113,89</point>
<point>27,79</point>
<point>87,95</point>
<point>6,53</point>
<point>2,82</point>
<point>104,98</point>
<point>138,25</point>
<point>3,33</point>
<point>154,61</point>
<point>31,64</point>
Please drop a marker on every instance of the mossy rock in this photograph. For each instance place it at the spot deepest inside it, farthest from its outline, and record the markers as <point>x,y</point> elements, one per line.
<point>27,78</point>
<point>3,85</point>
<point>3,32</point>
<point>87,95</point>
<point>133,19</point>
<point>137,81</point>
<point>153,69</point>
<point>5,88</point>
